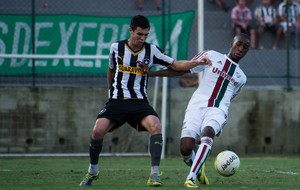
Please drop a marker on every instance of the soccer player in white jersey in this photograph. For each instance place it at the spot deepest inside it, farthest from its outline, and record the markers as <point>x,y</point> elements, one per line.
<point>206,113</point>
<point>127,82</point>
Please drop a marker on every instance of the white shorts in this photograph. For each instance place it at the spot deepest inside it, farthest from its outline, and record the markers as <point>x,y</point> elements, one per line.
<point>196,119</point>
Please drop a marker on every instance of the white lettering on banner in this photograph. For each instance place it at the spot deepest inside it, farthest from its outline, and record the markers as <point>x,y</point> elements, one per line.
<point>101,45</point>
<point>4,29</point>
<point>80,44</point>
<point>152,38</point>
<point>173,48</point>
<point>20,26</point>
<point>107,34</point>
<point>38,43</point>
<point>65,37</point>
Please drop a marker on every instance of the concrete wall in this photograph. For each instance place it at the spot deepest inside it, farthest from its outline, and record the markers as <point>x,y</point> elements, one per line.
<point>60,120</point>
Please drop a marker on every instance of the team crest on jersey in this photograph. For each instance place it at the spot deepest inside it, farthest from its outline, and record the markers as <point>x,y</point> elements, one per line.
<point>146,61</point>
<point>238,75</point>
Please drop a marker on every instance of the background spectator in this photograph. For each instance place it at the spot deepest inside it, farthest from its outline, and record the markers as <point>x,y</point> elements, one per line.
<point>289,13</point>
<point>221,4</point>
<point>241,19</point>
<point>266,17</point>
<point>141,4</point>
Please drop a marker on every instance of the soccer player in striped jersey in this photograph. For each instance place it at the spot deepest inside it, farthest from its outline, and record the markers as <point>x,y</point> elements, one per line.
<point>128,102</point>
<point>206,113</point>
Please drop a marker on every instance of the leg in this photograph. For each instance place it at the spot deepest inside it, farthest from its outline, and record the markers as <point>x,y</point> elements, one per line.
<point>140,5</point>
<point>260,32</point>
<point>153,126</point>
<point>252,38</point>
<point>203,151</point>
<point>101,127</point>
<point>157,4</point>
<point>187,150</point>
<point>277,37</point>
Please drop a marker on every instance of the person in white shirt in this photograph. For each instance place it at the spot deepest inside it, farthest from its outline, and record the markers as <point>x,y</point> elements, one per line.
<point>289,15</point>
<point>266,19</point>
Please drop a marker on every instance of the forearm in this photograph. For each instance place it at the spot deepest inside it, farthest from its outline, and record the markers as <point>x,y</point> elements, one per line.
<point>167,73</point>
<point>184,65</point>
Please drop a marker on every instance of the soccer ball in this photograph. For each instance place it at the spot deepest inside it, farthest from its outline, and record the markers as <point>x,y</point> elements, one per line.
<point>227,163</point>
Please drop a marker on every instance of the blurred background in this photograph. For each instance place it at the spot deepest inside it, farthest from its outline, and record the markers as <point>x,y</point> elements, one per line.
<point>53,62</point>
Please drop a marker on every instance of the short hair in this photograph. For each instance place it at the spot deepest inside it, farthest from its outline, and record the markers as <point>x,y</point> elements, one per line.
<point>242,35</point>
<point>139,21</point>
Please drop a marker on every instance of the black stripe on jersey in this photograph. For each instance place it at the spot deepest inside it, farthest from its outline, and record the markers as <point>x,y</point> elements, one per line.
<point>130,84</point>
<point>144,81</point>
<point>121,50</point>
<point>159,61</point>
<point>111,88</point>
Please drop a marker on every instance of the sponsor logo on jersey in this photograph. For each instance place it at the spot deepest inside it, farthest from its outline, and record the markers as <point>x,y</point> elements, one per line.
<point>129,69</point>
<point>225,75</point>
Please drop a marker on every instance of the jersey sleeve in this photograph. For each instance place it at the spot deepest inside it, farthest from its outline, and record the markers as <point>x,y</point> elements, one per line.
<point>112,56</point>
<point>233,13</point>
<point>159,58</point>
<point>200,68</point>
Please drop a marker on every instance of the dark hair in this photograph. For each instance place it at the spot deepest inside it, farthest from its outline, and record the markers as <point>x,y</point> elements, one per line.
<point>242,35</point>
<point>139,21</point>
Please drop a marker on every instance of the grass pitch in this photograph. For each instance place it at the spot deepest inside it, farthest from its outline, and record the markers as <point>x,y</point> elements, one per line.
<point>131,173</point>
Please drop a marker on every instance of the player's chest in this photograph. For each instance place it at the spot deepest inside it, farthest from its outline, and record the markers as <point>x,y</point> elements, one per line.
<point>231,73</point>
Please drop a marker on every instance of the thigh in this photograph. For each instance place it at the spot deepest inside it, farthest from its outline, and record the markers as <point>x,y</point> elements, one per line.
<point>114,111</point>
<point>192,123</point>
<point>142,116</point>
<point>215,118</point>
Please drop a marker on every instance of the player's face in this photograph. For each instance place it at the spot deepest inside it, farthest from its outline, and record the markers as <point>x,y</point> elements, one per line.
<point>138,37</point>
<point>239,48</point>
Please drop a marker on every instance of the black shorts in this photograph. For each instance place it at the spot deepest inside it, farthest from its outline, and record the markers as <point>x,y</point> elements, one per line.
<point>131,111</point>
<point>273,28</point>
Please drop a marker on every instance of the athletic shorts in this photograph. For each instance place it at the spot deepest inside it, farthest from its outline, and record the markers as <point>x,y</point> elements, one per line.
<point>128,110</point>
<point>196,119</point>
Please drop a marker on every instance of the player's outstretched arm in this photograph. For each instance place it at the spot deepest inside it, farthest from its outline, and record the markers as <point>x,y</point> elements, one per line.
<point>187,65</point>
<point>162,73</point>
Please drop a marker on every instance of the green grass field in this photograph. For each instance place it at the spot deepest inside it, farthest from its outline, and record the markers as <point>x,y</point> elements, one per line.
<point>130,173</point>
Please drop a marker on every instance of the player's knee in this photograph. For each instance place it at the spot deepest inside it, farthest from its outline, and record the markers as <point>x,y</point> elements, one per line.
<point>100,129</point>
<point>208,131</point>
<point>186,146</point>
<point>155,128</point>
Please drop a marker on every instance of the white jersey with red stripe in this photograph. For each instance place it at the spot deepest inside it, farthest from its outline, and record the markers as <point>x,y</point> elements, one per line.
<point>219,83</point>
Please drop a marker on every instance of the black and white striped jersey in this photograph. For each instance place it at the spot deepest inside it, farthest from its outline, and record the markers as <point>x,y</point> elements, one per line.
<point>293,11</point>
<point>129,81</point>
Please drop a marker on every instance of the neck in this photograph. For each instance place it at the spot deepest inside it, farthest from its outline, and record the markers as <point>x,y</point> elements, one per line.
<point>229,55</point>
<point>133,46</point>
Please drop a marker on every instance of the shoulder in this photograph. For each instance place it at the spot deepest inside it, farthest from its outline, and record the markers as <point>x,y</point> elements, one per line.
<point>213,53</point>
<point>235,8</point>
<point>153,47</point>
<point>281,5</point>
<point>114,47</point>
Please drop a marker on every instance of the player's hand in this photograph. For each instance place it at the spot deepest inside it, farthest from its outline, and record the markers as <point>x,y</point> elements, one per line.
<point>144,67</point>
<point>205,61</point>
